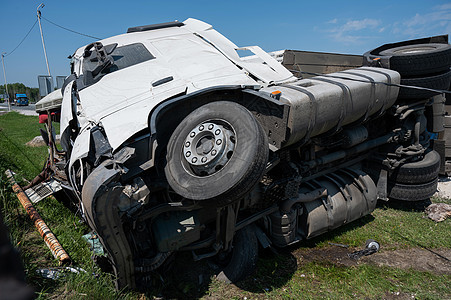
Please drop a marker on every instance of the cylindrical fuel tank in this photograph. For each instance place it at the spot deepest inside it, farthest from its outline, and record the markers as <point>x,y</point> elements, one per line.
<point>351,194</point>
<point>324,103</point>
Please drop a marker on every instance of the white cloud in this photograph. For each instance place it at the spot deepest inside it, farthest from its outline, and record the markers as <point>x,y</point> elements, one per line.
<point>443,7</point>
<point>356,25</point>
<point>438,20</point>
<point>353,30</point>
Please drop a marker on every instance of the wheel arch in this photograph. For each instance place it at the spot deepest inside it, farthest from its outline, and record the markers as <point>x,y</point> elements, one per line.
<point>270,113</point>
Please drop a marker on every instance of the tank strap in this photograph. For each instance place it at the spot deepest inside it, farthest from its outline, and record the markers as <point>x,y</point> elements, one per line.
<point>346,95</point>
<point>387,92</point>
<point>314,106</point>
<point>372,96</point>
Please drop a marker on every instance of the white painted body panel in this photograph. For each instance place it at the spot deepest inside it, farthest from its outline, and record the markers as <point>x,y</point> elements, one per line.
<point>194,55</point>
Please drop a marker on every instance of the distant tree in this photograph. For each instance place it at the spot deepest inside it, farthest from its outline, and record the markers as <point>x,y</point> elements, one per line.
<point>20,88</point>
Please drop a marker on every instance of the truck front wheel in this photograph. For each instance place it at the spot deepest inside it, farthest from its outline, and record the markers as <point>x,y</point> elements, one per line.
<point>218,152</point>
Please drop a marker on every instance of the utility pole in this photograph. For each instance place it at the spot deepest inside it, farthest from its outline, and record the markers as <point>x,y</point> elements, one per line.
<point>6,82</point>
<point>38,12</point>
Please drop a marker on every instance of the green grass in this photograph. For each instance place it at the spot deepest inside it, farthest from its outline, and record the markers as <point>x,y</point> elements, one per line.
<point>27,162</point>
<point>287,275</point>
<point>398,228</point>
<point>15,131</point>
<point>323,280</point>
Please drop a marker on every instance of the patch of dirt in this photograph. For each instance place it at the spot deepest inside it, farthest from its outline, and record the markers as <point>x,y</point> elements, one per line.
<point>335,255</point>
<point>398,296</point>
<point>436,261</point>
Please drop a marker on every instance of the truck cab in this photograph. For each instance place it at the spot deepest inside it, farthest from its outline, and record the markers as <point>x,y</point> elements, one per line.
<point>21,100</point>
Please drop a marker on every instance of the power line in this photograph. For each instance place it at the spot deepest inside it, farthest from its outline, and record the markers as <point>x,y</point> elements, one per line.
<point>22,39</point>
<point>73,31</point>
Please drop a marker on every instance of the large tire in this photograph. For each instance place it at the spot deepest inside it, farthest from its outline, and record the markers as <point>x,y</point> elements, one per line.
<point>425,170</point>
<point>230,170</point>
<point>243,257</point>
<point>438,82</point>
<point>419,59</point>
<point>417,172</point>
<point>412,192</point>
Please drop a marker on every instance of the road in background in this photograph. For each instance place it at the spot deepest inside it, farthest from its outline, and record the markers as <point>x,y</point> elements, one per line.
<point>24,110</point>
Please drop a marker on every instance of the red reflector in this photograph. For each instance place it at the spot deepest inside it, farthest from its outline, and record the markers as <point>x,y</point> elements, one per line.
<point>43,118</point>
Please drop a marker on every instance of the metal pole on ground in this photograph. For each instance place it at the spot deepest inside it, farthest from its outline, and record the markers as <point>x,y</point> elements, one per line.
<point>38,12</point>
<point>6,83</point>
<point>50,239</point>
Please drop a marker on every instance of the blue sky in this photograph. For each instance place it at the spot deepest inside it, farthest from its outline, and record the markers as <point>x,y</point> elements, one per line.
<point>351,27</point>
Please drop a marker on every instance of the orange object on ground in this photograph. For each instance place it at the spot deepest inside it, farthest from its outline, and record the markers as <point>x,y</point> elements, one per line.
<point>49,238</point>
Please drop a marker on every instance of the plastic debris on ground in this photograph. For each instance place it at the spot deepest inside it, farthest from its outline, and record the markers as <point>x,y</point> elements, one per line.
<point>56,273</point>
<point>94,242</point>
<point>339,245</point>
<point>438,212</point>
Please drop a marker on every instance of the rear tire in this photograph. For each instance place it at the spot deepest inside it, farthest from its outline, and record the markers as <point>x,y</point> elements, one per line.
<point>425,170</point>
<point>419,59</point>
<point>418,172</point>
<point>437,82</point>
<point>413,192</point>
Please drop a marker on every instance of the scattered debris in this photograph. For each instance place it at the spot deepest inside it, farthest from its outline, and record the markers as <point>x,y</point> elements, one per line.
<point>49,238</point>
<point>55,273</point>
<point>371,247</point>
<point>94,242</point>
<point>438,212</point>
<point>339,245</point>
<point>42,190</point>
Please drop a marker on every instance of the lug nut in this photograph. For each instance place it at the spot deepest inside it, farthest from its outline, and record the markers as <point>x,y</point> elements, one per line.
<point>218,131</point>
<point>213,152</point>
<point>192,134</point>
<point>204,159</point>
<point>210,127</point>
<point>201,127</point>
<point>218,142</point>
<point>194,160</point>
<point>188,154</point>
<point>187,144</point>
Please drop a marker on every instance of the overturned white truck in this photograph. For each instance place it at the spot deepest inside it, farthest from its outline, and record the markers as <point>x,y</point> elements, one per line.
<point>173,142</point>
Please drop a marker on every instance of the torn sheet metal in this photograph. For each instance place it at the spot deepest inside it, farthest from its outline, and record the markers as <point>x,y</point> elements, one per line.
<point>41,191</point>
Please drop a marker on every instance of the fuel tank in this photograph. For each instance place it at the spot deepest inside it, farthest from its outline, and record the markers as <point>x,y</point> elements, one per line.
<point>349,195</point>
<point>326,103</point>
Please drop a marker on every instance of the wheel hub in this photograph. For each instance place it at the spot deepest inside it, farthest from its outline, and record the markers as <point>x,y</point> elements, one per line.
<point>208,147</point>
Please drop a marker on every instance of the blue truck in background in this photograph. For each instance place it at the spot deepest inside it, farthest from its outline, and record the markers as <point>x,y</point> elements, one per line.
<point>21,100</point>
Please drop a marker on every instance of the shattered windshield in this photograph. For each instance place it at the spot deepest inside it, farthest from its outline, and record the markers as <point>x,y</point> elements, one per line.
<point>100,60</point>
